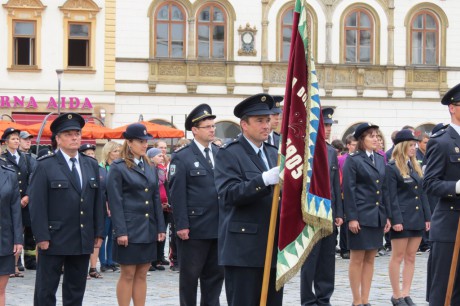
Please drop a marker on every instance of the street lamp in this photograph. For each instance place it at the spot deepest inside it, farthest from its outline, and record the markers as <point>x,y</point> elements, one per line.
<point>59,73</point>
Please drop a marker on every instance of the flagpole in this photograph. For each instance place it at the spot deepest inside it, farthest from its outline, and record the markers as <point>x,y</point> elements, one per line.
<point>453,267</point>
<point>270,241</point>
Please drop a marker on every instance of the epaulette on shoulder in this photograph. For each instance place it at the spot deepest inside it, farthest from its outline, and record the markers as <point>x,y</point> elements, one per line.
<point>46,156</point>
<point>119,161</point>
<point>181,148</point>
<point>2,158</point>
<point>270,145</point>
<point>391,162</point>
<point>229,143</point>
<point>87,156</point>
<point>438,133</point>
<point>9,169</point>
<point>352,154</point>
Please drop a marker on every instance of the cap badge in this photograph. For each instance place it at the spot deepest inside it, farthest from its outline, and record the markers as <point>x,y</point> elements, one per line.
<point>457,150</point>
<point>145,132</point>
<point>69,116</point>
<point>263,98</point>
<point>329,116</point>
<point>277,104</point>
<point>205,112</point>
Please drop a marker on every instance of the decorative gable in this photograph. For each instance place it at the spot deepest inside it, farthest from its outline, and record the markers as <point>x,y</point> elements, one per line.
<point>32,7</point>
<point>86,7</point>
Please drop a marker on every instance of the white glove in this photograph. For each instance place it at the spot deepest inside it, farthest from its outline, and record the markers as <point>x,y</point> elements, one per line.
<point>272,176</point>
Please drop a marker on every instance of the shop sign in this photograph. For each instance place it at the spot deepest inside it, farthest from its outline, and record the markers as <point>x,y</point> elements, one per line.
<point>66,102</point>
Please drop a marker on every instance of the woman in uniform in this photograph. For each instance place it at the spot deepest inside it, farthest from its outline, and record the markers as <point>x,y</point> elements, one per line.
<point>364,191</point>
<point>10,226</point>
<point>410,213</point>
<point>137,217</point>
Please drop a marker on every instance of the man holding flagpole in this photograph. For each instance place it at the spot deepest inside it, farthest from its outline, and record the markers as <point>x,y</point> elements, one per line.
<point>318,270</point>
<point>246,171</point>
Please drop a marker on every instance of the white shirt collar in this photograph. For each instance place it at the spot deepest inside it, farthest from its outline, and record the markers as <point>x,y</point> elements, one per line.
<point>456,127</point>
<point>256,149</point>
<point>369,153</point>
<point>137,161</point>
<point>67,157</point>
<point>200,146</point>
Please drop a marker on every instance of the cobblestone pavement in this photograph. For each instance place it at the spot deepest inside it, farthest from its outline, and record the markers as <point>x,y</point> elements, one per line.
<point>163,287</point>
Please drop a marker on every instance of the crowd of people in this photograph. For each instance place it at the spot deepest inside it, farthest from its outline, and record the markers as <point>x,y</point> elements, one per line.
<point>212,200</point>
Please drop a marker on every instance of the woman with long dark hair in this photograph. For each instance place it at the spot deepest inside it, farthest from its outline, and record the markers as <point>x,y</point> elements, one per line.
<point>137,217</point>
<point>364,202</point>
<point>410,213</point>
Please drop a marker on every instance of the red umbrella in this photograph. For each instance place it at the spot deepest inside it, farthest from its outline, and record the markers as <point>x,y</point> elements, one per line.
<point>156,130</point>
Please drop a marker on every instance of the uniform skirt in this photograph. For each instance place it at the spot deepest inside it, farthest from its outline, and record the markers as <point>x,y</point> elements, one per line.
<point>368,238</point>
<point>7,264</point>
<point>134,253</point>
<point>405,234</point>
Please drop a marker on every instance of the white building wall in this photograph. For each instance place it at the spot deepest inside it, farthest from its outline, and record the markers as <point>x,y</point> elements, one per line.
<point>52,40</point>
<point>171,102</point>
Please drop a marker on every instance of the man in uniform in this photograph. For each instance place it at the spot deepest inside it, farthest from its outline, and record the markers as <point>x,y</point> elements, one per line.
<point>193,197</point>
<point>245,174</point>
<point>275,120</point>
<point>319,269</point>
<point>442,179</point>
<point>23,164</point>
<point>67,214</point>
<point>25,141</point>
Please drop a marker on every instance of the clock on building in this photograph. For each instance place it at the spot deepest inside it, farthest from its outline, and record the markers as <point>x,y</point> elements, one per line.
<point>247,40</point>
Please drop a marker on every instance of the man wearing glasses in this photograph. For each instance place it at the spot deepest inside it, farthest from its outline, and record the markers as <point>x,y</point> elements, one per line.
<point>194,201</point>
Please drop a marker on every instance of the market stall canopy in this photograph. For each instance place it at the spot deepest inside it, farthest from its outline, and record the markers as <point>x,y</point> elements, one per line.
<point>90,130</point>
<point>7,124</point>
<point>156,130</point>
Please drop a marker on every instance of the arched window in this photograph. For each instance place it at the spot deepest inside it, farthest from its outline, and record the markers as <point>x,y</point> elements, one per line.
<point>212,32</point>
<point>349,131</point>
<point>359,34</point>
<point>227,130</point>
<point>424,39</point>
<point>424,129</point>
<point>170,31</point>
<point>286,32</point>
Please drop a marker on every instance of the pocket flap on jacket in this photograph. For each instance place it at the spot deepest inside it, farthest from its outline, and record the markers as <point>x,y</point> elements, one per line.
<point>454,158</point>
<point>60,184</point>
<point>195,211</point>
<point>243,228</point>
<point>54,225</point>
<point>197,172</point>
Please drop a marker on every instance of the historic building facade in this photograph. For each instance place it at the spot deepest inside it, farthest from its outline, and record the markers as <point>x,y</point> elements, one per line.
<point>383,61</point>
<point>39,38</point>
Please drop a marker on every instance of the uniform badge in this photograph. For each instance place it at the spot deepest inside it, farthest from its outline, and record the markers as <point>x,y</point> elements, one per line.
<point>172,169</point>
<point>457,150</point>
<point>196,164</point>
<point>69,116</point>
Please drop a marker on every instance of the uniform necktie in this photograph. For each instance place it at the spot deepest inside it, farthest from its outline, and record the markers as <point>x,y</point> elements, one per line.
<point>75,172</point>
<point>372,158</point>
<point>141,165</point>
<point>14,158</point>
<point>410,166</point>
<point>262,159</point>
<point>208,158</point>
<point>270,139</point>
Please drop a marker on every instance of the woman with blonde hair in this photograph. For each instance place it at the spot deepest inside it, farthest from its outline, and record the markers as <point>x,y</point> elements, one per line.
<point>410,213</point>
<point>110,152</point>
<point>137,216</point>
